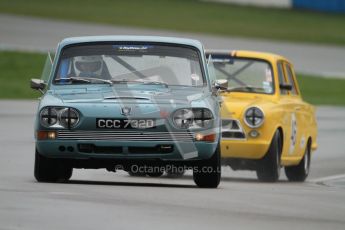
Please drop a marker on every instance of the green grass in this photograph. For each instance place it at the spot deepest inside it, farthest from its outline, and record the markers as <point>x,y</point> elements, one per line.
<point>17,68</point>
<point>192,16</point>
<point>322,91</point>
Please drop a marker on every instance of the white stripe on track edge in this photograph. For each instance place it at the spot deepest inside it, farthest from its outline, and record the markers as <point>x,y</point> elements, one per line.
<point>328,178</point>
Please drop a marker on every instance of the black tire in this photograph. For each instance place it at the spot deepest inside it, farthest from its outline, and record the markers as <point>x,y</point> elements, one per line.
<point>268,169</point>
<point>64,172</point>
<point>300,172</point>
<point>208,172</point>
<point>51,170</point>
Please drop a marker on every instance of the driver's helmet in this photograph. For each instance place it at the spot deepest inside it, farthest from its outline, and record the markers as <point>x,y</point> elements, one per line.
<point>88,66</point>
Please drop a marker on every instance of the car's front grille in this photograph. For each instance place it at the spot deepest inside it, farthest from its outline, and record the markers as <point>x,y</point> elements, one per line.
<point>124,135</point>
<point>232,129</point>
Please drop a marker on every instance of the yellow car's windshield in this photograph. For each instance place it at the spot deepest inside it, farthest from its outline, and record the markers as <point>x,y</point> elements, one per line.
<point>244,74</point>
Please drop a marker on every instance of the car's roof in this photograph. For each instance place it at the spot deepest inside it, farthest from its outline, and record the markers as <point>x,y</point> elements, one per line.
<point>115,38</point>
<point>248,54</point>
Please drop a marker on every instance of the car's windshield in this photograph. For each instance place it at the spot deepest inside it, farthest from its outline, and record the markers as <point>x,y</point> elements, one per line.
<point>244,74</point>
<point>130,64</point>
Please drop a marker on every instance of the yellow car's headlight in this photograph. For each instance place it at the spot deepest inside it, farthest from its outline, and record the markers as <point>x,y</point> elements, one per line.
<point>254,117</point>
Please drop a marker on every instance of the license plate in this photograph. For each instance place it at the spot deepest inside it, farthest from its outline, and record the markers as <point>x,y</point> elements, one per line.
<point>106,123</point>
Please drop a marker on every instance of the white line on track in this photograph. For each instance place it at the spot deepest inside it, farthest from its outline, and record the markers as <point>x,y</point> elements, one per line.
<point>328,178</point>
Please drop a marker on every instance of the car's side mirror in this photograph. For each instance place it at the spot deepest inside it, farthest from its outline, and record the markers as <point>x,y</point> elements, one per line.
<point>285,86</point>
<point>221,84</point>
<point>37,84</point>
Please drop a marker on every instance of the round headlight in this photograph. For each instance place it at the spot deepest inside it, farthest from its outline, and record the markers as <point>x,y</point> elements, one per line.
<point>254,117</point>
<point>183,118</point>
<point>48,117</point>
<point>202,118</point>
<point>69,118</point>
<point>195,118</point>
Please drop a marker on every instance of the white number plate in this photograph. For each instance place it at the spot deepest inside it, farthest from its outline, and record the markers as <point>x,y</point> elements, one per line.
<point>106,123</point>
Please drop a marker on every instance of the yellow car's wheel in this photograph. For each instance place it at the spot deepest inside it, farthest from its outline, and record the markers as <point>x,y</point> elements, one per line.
<point>300,172</point>
<point>269,168</point>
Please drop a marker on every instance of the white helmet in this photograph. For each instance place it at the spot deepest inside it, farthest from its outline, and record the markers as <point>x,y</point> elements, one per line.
<point>88,66</point>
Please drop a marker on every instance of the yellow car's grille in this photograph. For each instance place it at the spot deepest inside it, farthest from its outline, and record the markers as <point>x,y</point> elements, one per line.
<point>232,129</point>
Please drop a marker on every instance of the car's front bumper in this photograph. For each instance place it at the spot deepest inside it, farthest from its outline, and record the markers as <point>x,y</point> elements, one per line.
<point>100,149</point>
<point>246,149</point>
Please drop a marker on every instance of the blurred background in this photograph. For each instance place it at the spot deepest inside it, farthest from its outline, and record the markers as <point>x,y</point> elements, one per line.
<point>309,32</point>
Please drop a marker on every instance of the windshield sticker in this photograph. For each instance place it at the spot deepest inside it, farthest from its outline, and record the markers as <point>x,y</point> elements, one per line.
<point>195,77</point>
<point>267,86</point>
<point>132,47</point>
<point>221,60</point>
<point>268,75</point>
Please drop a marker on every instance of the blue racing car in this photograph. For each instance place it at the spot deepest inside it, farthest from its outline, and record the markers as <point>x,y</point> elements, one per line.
<point>137,103</point>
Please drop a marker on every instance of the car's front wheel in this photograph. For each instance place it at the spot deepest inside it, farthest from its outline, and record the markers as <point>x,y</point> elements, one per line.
<point>51,170</point>
<point>299,172</point>
<point>208,172</point>
<point>269,168</point>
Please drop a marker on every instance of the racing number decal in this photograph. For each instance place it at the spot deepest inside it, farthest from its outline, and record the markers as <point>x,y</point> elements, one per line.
<point>293,138</point>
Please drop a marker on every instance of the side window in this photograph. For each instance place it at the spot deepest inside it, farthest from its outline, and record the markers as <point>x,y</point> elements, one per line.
<point>281,78</point>
<point>47,68</point>
<point>291,79</point>
<point>211,70</point>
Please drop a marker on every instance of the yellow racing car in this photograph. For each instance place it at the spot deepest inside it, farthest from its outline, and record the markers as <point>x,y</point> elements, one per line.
<point>266,124</point>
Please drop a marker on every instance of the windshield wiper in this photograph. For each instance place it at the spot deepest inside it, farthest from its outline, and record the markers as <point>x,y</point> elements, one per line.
<point>83,79</point>
<point>155,83</point>
<point>123,81</point>
<point>243,89</point>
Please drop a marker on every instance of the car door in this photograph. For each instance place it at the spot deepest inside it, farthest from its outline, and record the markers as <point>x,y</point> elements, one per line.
<point>287,111</point>
<point>298,115</point>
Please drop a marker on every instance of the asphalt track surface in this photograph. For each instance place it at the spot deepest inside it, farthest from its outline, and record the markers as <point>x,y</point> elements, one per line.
<point>96,199</point>
<point>36,34</point>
